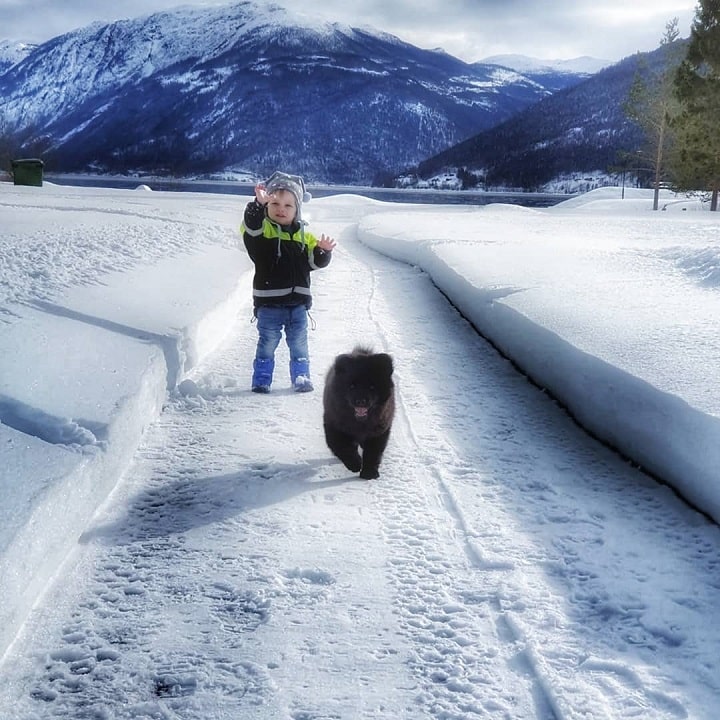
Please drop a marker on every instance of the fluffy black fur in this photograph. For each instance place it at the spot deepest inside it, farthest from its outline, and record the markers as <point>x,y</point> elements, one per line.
<point>358,409</point>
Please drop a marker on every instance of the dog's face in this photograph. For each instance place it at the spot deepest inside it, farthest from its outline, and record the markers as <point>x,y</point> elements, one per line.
<point>365,382</point>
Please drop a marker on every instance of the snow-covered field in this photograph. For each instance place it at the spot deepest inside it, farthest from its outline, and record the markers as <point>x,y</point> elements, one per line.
<point>174,546</point>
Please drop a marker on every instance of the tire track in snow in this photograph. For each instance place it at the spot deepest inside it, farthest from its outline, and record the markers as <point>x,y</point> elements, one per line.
<point>464,652</point>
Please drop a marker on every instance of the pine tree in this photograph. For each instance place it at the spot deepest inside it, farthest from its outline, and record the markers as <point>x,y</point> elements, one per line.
<point>696,158</point>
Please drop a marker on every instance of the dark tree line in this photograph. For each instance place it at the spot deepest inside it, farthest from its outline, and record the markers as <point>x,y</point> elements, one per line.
<point>696,156</point>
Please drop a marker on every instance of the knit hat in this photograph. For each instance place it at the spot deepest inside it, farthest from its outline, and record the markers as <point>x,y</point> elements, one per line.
<point>292,183</point>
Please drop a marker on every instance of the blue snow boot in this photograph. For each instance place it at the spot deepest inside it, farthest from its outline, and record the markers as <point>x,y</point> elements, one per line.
<point>262,375</point>
<point>300,375</point>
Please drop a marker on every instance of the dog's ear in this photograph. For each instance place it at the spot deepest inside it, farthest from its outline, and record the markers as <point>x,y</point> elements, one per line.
<point>343,363</point>
<point>384,363</point>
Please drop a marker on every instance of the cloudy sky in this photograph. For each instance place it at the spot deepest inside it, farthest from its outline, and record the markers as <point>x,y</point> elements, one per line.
<point>468,29</point>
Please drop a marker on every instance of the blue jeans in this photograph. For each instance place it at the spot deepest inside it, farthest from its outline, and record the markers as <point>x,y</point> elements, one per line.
<point>271,319</point>
<point>270,323</point>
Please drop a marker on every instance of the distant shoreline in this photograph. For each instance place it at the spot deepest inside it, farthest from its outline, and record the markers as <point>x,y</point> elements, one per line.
<point>239,187</point>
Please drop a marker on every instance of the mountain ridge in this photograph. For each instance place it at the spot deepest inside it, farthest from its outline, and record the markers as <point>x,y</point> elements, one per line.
<point>583,65</point>
<point>580,129</point>
<point>199,90</point>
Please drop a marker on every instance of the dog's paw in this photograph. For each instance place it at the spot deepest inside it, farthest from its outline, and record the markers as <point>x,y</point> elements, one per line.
<point>369,473</point>
<point>353,464</point>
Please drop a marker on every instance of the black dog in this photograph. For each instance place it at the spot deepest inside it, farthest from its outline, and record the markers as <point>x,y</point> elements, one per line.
<point>358,409</point>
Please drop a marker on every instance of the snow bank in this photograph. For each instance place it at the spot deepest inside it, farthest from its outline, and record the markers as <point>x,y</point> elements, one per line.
<point>89,372</point>
<point>607,314</point>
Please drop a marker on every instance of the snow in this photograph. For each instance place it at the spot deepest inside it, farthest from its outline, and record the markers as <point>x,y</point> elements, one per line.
<point>13,51</point>
<point>174,546</point>
<point>524,64</point>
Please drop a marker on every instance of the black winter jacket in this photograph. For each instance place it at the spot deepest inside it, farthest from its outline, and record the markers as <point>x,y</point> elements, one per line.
<point>284,256</point>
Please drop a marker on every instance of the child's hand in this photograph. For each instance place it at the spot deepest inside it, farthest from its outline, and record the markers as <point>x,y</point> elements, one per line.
<point>326,243</point>
<point>261,195</point>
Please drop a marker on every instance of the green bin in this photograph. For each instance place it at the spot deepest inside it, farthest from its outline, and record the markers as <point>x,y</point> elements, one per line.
<point>28,171</point>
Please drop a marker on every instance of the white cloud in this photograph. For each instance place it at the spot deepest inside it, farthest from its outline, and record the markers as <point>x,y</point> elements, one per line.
<point>469,29</point>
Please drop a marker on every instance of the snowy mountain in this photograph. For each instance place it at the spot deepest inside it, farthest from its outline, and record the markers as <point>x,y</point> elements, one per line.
<point>12,52</point>
<point>250,87</point>
<point>581,129</point>
<point>584,65</point>
<point>552,74</point>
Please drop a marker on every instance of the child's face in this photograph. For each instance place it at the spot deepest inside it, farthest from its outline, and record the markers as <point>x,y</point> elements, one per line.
<point>281,207</point>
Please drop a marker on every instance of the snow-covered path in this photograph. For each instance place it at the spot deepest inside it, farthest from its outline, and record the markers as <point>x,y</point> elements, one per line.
<point>496,569</point>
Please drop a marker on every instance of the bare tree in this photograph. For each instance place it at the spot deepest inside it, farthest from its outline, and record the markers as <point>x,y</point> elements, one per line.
<point>652,104</point>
